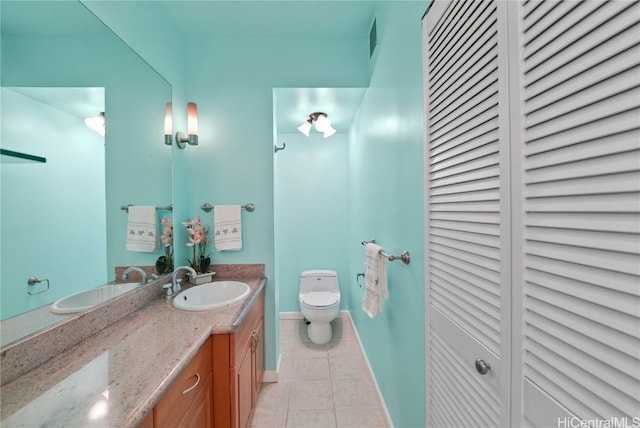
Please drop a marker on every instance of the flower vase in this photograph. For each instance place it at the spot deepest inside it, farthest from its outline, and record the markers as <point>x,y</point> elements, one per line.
<point>203,264</point>
<point>202,278</point>
<point>162,266</point>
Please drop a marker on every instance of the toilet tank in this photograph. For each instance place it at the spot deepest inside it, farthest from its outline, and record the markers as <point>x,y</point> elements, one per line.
<point>319,280</point>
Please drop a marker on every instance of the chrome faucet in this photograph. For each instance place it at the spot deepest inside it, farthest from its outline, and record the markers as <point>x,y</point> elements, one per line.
<point>175,282</point>
<point>143,274</point>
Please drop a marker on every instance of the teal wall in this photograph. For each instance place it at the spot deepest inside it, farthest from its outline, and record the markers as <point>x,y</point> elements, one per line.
<point>310,212</point>
<point>38,197</point>
<point>386,203</point>
<point>232,80</point>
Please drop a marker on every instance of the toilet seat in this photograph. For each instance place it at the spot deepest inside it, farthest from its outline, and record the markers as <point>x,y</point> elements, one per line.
<point>319,299</point>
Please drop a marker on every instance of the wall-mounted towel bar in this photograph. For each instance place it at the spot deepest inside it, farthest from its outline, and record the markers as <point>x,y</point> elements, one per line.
<point>207,207</point>
<point>405,256</point>
<point>167,208</point>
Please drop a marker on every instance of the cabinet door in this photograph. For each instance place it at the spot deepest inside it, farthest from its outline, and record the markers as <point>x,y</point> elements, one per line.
<point>200,413</point>
<point>244,390</point>
<point>468,266</point>
<point>580,163</point>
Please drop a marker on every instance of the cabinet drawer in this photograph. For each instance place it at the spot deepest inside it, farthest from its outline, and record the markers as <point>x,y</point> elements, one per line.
<point>182,392</point>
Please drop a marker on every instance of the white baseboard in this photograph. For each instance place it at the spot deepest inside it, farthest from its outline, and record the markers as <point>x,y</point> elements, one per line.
<point>291,316</point>
<point>271,376</point>
<point>373,376</point>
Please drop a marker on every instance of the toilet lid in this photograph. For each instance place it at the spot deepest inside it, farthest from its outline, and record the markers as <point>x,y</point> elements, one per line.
<point>320,298</point>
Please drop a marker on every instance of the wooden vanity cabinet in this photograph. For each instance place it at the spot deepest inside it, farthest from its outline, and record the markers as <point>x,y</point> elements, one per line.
<point>219,388</point>
<point>188,401</point>
<point>243,352</point>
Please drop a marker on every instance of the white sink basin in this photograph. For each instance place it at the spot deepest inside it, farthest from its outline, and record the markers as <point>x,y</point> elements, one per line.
<point>84,300</point>
<point>211,295</point>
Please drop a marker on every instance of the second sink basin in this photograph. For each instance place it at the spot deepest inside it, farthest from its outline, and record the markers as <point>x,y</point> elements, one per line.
<point>211,295</point>
<point>87,299</point>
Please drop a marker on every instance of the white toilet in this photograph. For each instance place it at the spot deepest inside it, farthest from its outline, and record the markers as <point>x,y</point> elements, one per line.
<point>319,302</point>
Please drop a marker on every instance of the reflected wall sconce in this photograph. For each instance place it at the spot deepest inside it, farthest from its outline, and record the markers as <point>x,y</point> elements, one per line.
<point>321,122</point>
<point>192,127</point>
<point>168,125</point>
<point>96,123</point>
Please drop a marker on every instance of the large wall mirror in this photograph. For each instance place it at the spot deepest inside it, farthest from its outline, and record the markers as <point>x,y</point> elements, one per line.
<point>62,184</point>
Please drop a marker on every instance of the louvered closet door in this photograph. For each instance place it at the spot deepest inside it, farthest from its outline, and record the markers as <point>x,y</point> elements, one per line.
<point>581,162</point>
<point>467,221</point>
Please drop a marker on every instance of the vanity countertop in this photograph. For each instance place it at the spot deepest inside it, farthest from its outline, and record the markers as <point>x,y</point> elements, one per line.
<point>115,377</point>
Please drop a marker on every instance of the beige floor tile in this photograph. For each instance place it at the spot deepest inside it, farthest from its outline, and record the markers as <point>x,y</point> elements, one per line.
<point>339,347</point>
<point>274,395</point>
<point>309,350</point>
<point>360,418</point>
<point>269,418</point>
<point>311,368</point>
<point>311,395</point>
<point>286,367</point>
<point>311,419</point>
<point>354,393</point>
<point>322,386</point>
<point>348,366</point>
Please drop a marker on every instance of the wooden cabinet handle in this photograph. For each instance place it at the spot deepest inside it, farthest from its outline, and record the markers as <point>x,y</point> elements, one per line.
<point>186,391</point>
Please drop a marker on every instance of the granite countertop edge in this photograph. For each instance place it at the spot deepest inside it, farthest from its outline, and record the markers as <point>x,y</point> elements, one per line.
<point>160,359</point>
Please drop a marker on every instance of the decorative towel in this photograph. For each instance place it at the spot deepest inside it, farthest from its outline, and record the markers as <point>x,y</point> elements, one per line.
<point>375,279</point>
<point>227,227</point>
<point>142,229</point>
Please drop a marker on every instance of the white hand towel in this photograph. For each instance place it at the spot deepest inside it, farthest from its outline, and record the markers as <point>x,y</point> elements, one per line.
<point>142,229</point>
<point>375,278</point>
<point>227,227</point>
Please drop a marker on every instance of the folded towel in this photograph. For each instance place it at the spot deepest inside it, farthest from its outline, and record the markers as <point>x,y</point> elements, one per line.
<point>227,227</point>
<point>142,229</point>
<point>375,278</point>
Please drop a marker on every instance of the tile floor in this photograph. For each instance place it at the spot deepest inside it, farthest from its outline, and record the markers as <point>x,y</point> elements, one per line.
<point>322,386</point>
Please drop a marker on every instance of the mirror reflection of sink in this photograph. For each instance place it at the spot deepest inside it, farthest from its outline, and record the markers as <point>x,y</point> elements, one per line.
<point>211,295</point>
<point>87,299</point>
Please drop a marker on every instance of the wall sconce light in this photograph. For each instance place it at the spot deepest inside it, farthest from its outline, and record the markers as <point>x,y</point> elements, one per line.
<point>96,123</point>
<point>322,124</point>
<point>192,128</point>
<point>168,125</point>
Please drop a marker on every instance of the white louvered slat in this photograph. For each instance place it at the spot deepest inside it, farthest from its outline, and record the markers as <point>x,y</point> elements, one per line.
<point>562,18</point>
<point>597,374</point>
<point>614,27</point>
<point>603,128</point>
<point>601,209</point>
<point>465,214</point>
<point>625,223</point>
<point>557,88</point>
<point>618,360</point>
<point>624,142</point>
<point>474,139</point>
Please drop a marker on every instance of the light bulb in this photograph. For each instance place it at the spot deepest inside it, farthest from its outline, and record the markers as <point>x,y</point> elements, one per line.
<point>96,123</point>
<point>322,123</point>
<point>329,131</point>
<point>192,119</point>
<point>305,128</point>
